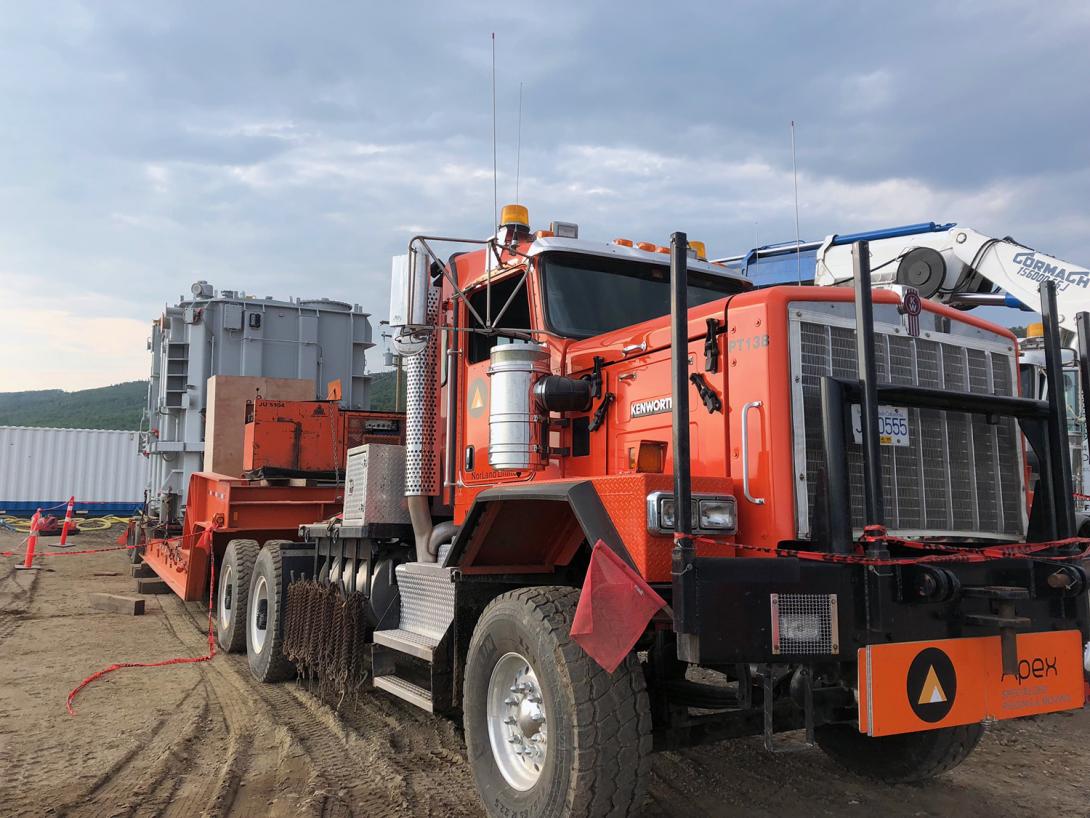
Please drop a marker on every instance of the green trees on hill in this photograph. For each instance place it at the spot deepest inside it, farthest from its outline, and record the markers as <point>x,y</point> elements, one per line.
<point>108,407</point>
<point>119,406</point>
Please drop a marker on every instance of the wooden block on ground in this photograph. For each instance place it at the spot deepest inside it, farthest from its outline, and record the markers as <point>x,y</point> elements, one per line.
<point>131,605</point>
<point>151,585</point>
<point>142,570</point>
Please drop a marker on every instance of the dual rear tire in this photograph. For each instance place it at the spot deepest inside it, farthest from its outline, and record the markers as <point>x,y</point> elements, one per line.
<point>250,600</point>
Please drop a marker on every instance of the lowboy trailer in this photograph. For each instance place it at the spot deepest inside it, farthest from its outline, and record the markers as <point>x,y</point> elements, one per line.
<point>642,505</point>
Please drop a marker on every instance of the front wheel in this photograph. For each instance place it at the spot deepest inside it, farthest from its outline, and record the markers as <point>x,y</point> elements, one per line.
<point>899,759</point>
<point>548,731</point>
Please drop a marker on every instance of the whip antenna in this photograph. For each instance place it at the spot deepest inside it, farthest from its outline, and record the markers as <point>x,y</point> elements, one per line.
<point>518,148</point>
<point>795,175</point>
<point>495,172</point>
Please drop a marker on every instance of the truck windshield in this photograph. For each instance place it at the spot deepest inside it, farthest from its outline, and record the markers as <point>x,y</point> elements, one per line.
<point>588,295</point>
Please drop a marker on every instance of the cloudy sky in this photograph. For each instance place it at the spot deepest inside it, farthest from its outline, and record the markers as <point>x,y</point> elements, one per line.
<point>292,148</point>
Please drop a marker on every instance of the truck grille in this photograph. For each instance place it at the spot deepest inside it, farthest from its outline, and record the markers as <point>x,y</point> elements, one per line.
<point>959,475</point>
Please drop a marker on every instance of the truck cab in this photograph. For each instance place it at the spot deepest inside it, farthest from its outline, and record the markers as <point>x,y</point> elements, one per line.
<point>642,505</point>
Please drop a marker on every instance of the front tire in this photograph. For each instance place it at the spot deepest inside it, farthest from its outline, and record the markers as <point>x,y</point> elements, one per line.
<point>900,759</point>
<point>548,731</point>
<point>232,594</point>
<point>265,618</point>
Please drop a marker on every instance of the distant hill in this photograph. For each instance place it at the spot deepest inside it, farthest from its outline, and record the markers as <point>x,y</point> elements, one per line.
<point>108,407</point>
<point>119,406</point>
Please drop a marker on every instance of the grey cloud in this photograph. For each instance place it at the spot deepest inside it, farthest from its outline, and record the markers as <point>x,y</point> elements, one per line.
<point>287,148</point>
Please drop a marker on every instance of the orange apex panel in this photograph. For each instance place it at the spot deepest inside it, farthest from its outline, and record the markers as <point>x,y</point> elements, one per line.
<point>907,687</point>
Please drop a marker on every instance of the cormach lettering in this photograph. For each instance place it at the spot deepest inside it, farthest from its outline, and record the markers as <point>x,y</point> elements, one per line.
<point>1039,269</point>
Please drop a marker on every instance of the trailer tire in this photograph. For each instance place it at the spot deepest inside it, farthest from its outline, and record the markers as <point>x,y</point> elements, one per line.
<point>598,725</point>
<point>233,594</point>
<point>900,759</point>
<point>265,617</point>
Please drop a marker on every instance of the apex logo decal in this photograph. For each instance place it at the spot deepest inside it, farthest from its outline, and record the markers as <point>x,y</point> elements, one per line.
<point>932,685</point>
<point>477,398</point>
<point>651,406</point>
<point>932,692</point>
<point>1040,667</point>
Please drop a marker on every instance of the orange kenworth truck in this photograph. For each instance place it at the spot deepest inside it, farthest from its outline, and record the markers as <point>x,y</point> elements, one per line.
<point>643,505</point>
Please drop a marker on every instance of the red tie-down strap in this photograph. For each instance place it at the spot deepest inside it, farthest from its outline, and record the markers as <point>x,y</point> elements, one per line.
<point>614,608</point>
<point>943,553</point>
<point>204,542</point>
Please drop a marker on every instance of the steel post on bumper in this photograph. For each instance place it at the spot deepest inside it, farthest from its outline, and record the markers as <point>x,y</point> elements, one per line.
<point>1082,324</point>
<point>873,513</point>
<point>684,587</point>
<point>1059,450</point>
<point>838,513</point>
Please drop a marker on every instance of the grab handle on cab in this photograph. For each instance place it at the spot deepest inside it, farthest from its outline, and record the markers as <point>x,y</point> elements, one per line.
<point>753,404</point>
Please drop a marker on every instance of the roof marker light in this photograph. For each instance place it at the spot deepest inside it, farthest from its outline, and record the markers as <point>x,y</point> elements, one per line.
<point>623,242</point>
<point>647,246</point>
<point>698,248</point>
<point>565,230</point>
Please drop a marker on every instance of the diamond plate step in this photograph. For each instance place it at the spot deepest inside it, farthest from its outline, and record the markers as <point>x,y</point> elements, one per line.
<point>427,598</point>
<point>413,694</point>
<point>420,645</point>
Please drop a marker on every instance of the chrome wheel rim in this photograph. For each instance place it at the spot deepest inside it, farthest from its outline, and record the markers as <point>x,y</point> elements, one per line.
<point>259,605</point>
<point>517,723</point>
<point>225,604</point>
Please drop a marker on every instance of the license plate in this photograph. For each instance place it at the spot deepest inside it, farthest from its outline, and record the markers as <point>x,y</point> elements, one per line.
<point>892,425</point>
<point>906,687</point>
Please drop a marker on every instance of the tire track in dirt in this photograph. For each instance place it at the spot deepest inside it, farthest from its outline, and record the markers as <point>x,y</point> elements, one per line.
<point>15,597</point>
<point>375,756</point>
<point>126,785</point>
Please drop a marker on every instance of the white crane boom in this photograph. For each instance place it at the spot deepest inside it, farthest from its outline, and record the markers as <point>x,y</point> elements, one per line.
<point>955,265</point>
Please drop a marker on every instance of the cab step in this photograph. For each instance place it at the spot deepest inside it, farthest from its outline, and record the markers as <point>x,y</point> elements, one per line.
<point>413,641</point>
<point>406,690</point>
<point>420,645</point>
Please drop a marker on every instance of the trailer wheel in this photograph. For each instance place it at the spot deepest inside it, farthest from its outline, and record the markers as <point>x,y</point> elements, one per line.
<point>899,759</point>
<point>232,594</point>
<point>548,731</point>
<point>265,617</point>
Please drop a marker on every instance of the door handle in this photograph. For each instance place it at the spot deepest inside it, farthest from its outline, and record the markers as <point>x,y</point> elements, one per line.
<point>754,404</point>
<point>628,350</point>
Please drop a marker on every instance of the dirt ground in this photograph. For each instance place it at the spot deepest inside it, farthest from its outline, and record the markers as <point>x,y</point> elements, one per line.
<point>203,739</point>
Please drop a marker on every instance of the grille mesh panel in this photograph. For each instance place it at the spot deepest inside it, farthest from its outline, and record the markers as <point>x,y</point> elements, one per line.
<point>959,473</point>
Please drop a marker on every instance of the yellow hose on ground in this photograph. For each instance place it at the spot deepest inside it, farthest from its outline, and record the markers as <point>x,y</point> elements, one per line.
<point>22,524</point>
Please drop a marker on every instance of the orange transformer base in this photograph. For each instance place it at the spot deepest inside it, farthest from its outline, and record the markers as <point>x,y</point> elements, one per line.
<point>310,438</point>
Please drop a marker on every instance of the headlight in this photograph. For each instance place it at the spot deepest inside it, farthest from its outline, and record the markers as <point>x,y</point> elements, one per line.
<point>799,628</point>
<point>716,514</point>
<point>667,512</point>
<point>709,514</point>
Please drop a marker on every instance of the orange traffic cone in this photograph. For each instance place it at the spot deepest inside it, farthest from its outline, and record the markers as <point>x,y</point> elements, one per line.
<point>67,520</point>
<point>32,540</point>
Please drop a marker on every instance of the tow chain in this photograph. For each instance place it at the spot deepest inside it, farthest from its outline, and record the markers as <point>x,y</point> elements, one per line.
<point>946,553</point>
